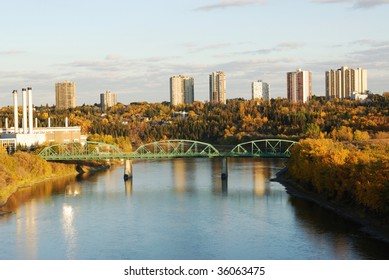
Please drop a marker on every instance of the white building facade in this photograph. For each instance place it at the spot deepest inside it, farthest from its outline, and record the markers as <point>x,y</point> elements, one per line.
<point>260,90</point>
<point>181,90</point>
<point>345,81</point>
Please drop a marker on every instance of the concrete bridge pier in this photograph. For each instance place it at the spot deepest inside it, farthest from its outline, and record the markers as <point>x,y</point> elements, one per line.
<point>127,169</point>
<point>224,169</point>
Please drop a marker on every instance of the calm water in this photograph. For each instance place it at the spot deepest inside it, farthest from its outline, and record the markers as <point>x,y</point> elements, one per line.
<point>177,209</point>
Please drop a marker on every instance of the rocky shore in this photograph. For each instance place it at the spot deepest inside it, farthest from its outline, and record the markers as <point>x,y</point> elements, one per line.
<point>369,223</point>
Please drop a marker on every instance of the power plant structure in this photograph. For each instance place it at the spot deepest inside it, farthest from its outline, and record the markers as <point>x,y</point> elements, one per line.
<point>27,135</point>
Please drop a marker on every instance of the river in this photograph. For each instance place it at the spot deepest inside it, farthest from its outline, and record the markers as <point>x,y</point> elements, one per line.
<point>177,209</point>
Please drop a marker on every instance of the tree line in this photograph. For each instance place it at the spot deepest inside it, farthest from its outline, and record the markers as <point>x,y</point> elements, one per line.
<point>238,120</point>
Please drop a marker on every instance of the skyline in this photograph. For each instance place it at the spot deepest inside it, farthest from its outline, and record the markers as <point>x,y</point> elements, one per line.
<point>133,48</point>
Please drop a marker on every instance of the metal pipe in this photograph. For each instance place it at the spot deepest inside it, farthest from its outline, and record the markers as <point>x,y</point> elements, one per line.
<point>24,105</point>
<point>30,112</point>
<point>16,114</point>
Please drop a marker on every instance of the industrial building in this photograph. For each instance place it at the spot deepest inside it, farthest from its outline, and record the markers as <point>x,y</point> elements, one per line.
<point>27,135</point>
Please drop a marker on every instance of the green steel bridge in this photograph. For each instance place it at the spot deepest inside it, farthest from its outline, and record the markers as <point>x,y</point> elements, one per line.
<point>266,148</point>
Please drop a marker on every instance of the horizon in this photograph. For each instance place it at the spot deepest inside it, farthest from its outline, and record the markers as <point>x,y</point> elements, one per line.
<point>132,49</point>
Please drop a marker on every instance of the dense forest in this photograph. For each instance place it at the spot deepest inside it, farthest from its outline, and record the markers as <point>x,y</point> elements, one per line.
<point>344,172</point>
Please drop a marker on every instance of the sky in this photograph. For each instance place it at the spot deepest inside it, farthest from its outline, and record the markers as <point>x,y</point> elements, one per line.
<point>132,47</point>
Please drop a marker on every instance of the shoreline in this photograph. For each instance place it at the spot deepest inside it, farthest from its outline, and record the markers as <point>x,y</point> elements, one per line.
<point>17,187</point>
<point>53,177</point>
<point>367,222</point>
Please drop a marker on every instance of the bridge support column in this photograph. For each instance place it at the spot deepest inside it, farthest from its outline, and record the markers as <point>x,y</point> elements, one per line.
<point>127,169</point>
<point>224,169</point>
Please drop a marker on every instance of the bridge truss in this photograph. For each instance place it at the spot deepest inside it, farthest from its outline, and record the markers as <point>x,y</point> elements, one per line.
<point>270,148</point>
<point>276,148</point>
<point>176,148</point>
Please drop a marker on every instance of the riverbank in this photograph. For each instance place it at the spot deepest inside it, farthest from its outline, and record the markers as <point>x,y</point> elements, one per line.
<point>369,223</point>
<point>70,170</point>
<point>11,189</point>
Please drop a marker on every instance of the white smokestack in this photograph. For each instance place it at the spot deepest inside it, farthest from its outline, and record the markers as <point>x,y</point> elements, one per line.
<point>24,104</point>
<point>36,122</point>
<point>16,114</point>
<point>30,116</point>
<point>66,122</point>
<point>48,122</point>
<point>6,125</point>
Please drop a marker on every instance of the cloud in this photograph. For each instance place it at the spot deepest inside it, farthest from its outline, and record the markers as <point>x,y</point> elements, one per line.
<point>285,46</point>
<point>222,4</point>
<point>11,52</point>
<point>194,48</point>
<point>371,43</point>
<point>356,3</point>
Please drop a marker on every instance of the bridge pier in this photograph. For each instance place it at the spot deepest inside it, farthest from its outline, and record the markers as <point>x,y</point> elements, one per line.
<point>224,168</point>
<point>127,169</point>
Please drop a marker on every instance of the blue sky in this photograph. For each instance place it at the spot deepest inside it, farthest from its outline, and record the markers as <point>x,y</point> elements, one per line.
<point>133,47</point>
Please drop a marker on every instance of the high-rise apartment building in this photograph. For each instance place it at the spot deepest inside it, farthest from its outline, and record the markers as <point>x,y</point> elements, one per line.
<point>107,100</point>
<point>260,90</point>
<point>65,95</point>
<point>181,90</point>
<point>217,87</point>
<point>299,86</point>
<point>342,83</point>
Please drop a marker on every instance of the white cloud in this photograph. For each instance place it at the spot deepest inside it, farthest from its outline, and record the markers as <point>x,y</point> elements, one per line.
<point>11,52</point>
<point>230,3</point>
<point>356,3</point>
<point>285,46</point>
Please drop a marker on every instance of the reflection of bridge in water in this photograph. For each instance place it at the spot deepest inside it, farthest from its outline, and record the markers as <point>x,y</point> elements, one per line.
<point>266,148</point>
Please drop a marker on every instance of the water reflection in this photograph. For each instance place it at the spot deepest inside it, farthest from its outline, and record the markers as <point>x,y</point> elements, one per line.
<point>43,190</point>
<point>69,230</point>
<point>73,189</point>
<point>178,209</point>
<point>326,227</point>
<point>179,171</point>
<point>260,176</point>
<point>26,229</point>
<point>128,187</point>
